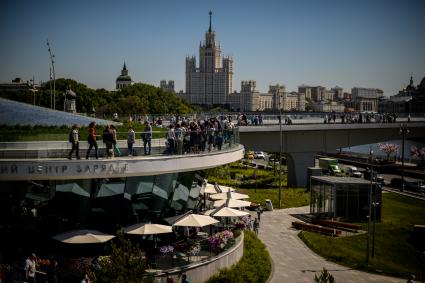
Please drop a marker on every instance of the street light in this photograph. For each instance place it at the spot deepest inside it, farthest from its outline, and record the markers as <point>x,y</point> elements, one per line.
<point>54,75</point>
<point>375,203</point>
<point>403,131</point>
<point>280,154</point>
<point>370,206</point>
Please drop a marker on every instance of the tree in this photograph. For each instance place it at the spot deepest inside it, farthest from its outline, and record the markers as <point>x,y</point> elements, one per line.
<point>139,99</point>
<point>125,264</point>
<point>388,148</point>
<point>419,153</point>
<point>324,277</point>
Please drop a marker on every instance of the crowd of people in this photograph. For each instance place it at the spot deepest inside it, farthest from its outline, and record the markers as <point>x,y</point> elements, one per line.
<point>183,136</point>
<point>199,135</point>
<point>350,118</point>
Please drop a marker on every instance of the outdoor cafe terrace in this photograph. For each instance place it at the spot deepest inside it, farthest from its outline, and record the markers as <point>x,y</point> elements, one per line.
<point>196,244</point>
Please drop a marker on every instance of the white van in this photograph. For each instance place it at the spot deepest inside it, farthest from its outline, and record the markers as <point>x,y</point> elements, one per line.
<point>353,172</point>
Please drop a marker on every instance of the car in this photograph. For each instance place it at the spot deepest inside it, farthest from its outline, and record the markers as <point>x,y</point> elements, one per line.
<point>249,155</point>
<point>259,155</point>
<point>352,171</point>
<point>376,177</point>
<point>413,186</point>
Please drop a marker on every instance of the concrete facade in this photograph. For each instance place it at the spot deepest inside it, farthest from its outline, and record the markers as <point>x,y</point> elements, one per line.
<point>63,169</point>
<point>167,86</point>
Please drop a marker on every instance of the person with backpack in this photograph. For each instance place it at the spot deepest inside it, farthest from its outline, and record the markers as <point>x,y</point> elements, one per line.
<point>92,140</point>
<point>107,137</point>
<point>74,140</point>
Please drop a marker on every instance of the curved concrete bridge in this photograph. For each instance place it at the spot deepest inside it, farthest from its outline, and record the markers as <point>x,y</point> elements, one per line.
<point>300,143</point>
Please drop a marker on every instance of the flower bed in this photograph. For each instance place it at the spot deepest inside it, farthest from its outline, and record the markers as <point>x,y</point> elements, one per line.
<point>220,241</point>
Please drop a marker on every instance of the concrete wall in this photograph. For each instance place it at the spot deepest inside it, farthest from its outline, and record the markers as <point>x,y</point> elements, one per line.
<point>202,271</point>
<point>64,169</point>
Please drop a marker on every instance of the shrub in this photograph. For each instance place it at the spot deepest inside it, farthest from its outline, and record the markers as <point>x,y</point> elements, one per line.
<point>125,257</point>
<point>324,277</point>
<point>254,266</point>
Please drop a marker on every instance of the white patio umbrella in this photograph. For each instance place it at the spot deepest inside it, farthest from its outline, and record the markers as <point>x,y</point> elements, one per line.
<point>148,229</point>
<point>225,189</point>
<point>228,195</point>
<point>229,212</point>
<point>214,189</point>
<point>196,220</point>
<point>83,237</point>
<point>232,203</point>
<point>209,189</point>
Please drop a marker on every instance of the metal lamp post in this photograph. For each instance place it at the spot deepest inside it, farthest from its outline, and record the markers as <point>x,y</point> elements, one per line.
<point>375,204</point>
<point>54,74</point>
<point>370,207</point>
<point>403,131</point>
<point>280,155</point>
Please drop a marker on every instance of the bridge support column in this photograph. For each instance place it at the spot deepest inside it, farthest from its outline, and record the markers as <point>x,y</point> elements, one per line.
<point>297,167</point>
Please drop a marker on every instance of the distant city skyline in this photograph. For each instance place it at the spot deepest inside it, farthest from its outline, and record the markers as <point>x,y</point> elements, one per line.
<point>376,44</point>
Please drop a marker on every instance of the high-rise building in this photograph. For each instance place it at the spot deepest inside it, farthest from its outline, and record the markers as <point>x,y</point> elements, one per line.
<point>318,93</point>
<point>210,83</point>
<point>338,93</point>
<point>362,92</point>
<point>306,90</point>
<point>364,99</point>
<point>167,86</point>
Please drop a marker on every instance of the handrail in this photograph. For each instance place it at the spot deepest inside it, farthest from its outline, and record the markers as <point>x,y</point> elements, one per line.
<point>193,143</point>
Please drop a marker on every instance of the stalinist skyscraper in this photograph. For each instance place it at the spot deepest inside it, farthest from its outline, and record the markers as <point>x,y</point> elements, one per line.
<point>211,83</point>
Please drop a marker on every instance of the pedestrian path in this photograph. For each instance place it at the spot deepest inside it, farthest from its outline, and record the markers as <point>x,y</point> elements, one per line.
<point>293,261</point>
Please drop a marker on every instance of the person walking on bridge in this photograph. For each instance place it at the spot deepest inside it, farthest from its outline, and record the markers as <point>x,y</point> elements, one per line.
<point>92,141</point>
<point>74,138</point>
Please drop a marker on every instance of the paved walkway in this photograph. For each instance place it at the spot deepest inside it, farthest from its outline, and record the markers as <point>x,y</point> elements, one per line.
<point>293,261</point>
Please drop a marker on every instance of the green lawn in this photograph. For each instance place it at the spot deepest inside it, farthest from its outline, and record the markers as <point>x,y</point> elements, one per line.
<point>290,197</point>
<point>259,184</point>
<point>255,265</point>
<point>394,255</point>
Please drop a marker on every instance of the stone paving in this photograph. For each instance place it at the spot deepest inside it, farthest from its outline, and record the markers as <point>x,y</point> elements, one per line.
<point>293,261</point>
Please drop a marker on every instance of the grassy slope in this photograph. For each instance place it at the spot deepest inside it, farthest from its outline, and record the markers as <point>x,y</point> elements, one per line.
<point>254,266</point>
<point>394,255</point>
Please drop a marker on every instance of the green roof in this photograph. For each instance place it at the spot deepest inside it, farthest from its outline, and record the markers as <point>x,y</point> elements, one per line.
<point>124,78</point>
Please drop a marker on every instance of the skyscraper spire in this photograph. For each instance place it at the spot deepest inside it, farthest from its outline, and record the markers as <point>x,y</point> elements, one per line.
<point>209,30</point>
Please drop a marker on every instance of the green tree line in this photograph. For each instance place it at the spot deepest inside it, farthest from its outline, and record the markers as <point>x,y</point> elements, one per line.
<point>137,99</point>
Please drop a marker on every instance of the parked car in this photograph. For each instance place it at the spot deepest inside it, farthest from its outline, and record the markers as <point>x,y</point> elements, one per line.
<point>249,155</point>
<point>377,178</point>
<point>413,186</point>
<point>416,186</point>
<point>259,155</point>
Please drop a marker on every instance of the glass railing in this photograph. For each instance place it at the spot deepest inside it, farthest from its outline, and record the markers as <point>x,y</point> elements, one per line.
<point>58,146</point>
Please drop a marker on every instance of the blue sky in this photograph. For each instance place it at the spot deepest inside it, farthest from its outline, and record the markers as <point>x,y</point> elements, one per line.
<point>375,43</point>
